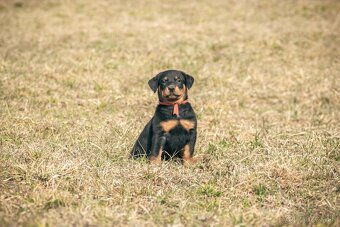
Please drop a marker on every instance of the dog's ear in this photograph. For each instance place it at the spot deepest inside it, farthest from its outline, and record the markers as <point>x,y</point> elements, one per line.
<point>189,80</point>
<point>153,83</point>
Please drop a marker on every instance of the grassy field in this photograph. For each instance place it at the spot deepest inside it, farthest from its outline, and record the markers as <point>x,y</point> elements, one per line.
<point>74,97</point>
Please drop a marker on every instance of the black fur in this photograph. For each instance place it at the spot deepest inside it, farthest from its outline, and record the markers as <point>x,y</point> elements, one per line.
<point>153,138</point>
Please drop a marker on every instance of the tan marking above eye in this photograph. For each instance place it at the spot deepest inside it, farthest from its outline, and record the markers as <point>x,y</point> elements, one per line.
<point>168,125</point>
<point>187,124</point>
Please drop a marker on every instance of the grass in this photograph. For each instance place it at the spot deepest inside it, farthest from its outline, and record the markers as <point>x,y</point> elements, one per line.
<point>74,97</point>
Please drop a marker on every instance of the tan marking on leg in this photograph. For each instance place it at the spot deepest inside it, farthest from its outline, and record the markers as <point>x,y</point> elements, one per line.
<point>157,159</point>
<point>168,125</point>
<point>187,159</point>
<point>187,124</point>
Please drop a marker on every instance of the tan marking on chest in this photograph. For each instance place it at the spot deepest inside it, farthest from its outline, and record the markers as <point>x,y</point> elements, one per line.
<point>187,124</point>
<point>168,125</point>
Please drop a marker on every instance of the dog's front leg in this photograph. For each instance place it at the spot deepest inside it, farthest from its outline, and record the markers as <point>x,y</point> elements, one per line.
<point>188,150</point>
<point>157,146</point>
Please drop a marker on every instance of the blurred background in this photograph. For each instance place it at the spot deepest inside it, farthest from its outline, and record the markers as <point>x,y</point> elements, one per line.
<point>74,97</point>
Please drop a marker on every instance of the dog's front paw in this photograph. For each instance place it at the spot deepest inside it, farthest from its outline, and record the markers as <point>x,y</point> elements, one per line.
<point>155,160</point>
<point>189,162</point>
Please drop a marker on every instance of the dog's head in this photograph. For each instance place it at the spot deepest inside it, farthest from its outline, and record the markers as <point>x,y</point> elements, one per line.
<point>172,85</point>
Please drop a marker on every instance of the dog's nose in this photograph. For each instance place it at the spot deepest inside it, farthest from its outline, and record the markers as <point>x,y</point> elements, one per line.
<point>171,87</point>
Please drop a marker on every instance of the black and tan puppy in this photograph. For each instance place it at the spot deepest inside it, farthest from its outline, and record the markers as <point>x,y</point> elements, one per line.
<point>171,132</point>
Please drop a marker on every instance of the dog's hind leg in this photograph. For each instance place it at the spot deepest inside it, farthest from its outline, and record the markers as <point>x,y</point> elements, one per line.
<point>143,143</point>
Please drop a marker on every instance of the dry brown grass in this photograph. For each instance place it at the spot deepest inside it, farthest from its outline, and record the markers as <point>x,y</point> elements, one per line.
<point>74,97</point>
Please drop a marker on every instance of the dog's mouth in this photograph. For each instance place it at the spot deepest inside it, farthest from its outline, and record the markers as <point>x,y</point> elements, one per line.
<point>172,97</point>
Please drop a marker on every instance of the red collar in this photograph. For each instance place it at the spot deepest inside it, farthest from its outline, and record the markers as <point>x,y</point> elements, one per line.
<point>176,106</point>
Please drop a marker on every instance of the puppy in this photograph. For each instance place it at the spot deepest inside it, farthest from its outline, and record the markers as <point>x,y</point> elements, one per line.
<point>172,130</point>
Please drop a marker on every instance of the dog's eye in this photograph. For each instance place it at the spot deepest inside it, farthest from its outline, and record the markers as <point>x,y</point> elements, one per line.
<point>178,79</point>
<point>164,80</point>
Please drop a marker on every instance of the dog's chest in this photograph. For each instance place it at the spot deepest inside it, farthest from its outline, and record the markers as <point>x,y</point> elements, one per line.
<point>173,126</point>
<point>177,133</point>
